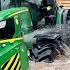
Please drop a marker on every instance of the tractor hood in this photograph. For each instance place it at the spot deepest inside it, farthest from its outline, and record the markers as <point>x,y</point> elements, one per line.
<point>5,14</point>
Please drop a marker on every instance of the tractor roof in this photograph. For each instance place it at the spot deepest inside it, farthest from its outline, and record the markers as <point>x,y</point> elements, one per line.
<point>5,14</point>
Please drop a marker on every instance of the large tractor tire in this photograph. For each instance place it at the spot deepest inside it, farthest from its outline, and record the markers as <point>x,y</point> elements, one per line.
<point>44,50</point>
<point>47,48</point>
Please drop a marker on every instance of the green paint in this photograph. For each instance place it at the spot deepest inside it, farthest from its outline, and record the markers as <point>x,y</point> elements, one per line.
<point>23,25</point>
<point>59,17</point>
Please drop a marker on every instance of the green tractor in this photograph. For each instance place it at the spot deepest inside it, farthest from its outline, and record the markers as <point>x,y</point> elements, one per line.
<point>21,30</point>
<point>13,23</point>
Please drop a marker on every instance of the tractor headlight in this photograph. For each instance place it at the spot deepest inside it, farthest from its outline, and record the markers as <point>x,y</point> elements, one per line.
<point>2,24</point>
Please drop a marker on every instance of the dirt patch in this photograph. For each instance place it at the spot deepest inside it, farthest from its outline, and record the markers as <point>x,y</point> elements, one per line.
<point>60,63</point>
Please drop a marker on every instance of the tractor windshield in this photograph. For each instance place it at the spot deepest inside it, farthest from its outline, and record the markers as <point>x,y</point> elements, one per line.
<point>7,28</point>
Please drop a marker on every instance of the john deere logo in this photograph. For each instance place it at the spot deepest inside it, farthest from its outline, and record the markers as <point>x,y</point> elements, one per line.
<point>13,64</point>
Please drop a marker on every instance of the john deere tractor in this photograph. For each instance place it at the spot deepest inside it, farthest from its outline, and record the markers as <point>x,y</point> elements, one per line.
<point>29,28</point>
<point>13,51</point>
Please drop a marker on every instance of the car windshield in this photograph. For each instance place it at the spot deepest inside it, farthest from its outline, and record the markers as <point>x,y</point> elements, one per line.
<point>7,28</point>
